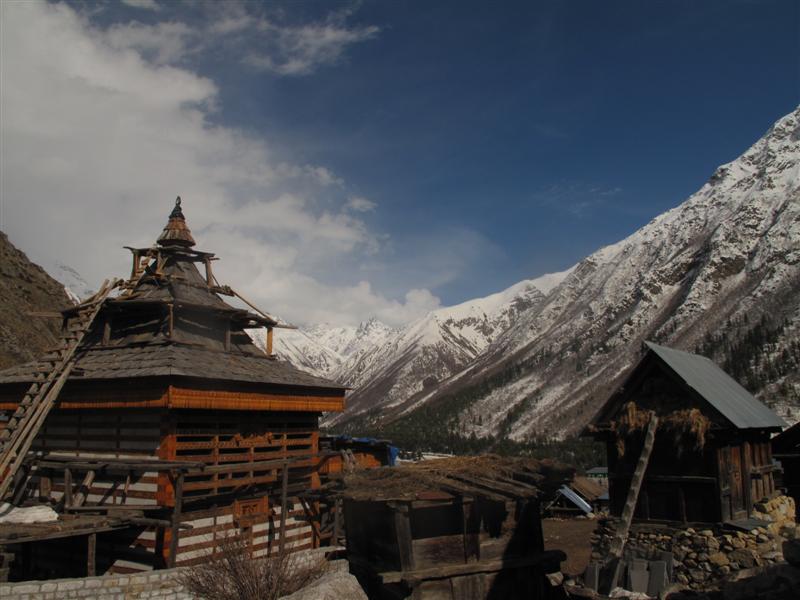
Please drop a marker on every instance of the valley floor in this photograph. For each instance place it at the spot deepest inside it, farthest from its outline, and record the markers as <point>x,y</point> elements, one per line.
<point>572,536</point>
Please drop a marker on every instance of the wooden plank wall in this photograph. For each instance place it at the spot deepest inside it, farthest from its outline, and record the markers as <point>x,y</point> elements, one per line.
<point>98,434</point>
<point>762,478</point>
<point>218,438</point>
<point>233,439</point>
<point>261,531</point>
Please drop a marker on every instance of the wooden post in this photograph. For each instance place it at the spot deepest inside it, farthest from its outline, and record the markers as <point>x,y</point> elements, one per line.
<point>284,502</point>
<point>337,520</point>
<point>160,261</point>
<point>209,274</point>
<point>402,527</point>
<point>83,489</point>
<point>91,553</point>
<point>106,330</point>
<point>176,517</point>
<point>126,487</point>
<point>67,488</point>
<point>464,518</point>
<point>45,484</point>
<point>171,329</point>
<point>682,503</point>
<point>135,267</point>
<point>269,341</point>
<point>747,478</point>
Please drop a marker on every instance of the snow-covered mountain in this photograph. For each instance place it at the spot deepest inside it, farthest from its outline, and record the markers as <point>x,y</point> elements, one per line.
<point>296,346</point>
<point>415,359</point>
<point>74,284</point>
<point>321,349</point>
<point>721,272</point>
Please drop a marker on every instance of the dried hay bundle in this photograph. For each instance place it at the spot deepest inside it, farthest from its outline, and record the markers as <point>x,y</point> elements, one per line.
<point>682,423</point>
<point>633,419</point>
<point>689,422</point>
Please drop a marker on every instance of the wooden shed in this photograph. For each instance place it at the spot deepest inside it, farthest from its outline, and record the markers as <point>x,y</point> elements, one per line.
<point>171,421</point>
<point>786,449</point>
<point>710,459</point>
<point>462,528</point>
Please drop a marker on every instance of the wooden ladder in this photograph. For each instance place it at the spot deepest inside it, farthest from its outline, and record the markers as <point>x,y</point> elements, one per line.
<point>26,422</point>
<point>621,534</point>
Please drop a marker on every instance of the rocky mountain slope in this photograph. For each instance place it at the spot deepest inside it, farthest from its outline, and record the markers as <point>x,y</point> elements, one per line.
<point>410,362</point>
<point>719,273</point>
<point>26,287</point>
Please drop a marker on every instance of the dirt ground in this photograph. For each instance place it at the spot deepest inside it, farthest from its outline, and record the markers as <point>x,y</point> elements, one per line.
<point>573,537</point>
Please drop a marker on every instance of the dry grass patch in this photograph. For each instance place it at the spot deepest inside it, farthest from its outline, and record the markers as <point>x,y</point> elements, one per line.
<point>232,574</point>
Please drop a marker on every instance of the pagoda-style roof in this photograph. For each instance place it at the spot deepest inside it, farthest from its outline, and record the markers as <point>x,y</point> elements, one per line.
<point>171,321</point>
<point>176,360</point>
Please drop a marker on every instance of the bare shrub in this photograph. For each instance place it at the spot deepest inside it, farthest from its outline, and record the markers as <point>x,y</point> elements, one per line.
<point>232,574</point>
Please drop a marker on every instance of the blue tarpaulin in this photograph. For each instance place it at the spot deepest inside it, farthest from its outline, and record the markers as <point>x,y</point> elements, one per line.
<point>391,451</point>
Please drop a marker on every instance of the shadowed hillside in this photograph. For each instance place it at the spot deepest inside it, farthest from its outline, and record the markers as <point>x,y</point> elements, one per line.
<point>25,287</point>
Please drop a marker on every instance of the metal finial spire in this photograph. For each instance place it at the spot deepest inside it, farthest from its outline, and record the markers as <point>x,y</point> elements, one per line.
<point>176,232</point>
<point>177,213</point>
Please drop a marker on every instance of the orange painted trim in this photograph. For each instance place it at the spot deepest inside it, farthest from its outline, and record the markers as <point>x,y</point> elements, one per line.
<point>177,398</point>
<point>222,400</point>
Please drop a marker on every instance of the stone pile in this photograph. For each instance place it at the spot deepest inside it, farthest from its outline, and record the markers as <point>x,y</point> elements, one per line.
<point>705,557</point>
<point>779,511</point>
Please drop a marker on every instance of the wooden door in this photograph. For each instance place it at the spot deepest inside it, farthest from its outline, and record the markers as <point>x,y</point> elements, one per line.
<point>731,486</point>
<point>738,509</point>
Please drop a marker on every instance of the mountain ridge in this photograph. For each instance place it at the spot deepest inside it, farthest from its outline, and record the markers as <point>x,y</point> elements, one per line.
<point>731,248</point>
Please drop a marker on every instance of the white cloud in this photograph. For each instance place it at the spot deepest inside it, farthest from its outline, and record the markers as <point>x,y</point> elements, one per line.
<point>97,141</point>
<point>143,4</point>
<point>300,50</point>
<point>360,204</point>
<point>163,43</point>
<point>257,41</point>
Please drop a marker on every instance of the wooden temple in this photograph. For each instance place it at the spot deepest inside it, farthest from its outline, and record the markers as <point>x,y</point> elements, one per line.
<point>172,429</point>
<point>709,459</point>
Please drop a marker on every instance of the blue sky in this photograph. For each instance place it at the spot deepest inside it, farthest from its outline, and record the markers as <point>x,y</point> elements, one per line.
<point>457,147</point>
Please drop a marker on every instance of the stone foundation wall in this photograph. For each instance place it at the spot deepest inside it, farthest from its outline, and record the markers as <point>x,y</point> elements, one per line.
<point>155,585</point>
<point>704,557</point>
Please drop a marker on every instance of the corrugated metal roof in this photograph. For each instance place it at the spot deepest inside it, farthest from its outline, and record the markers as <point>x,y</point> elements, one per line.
<point>597,470</point>
<point>718,388</point>
<point>575,499</point>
